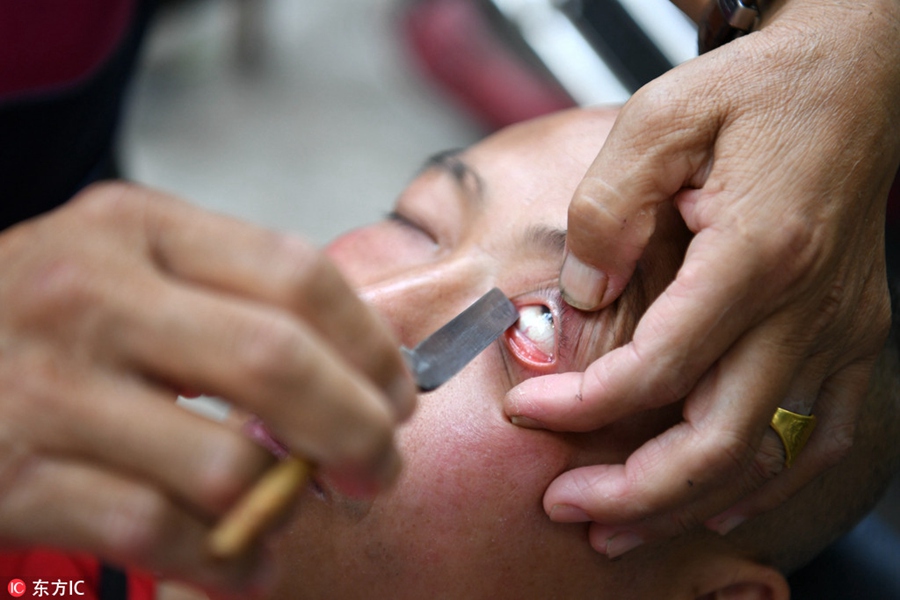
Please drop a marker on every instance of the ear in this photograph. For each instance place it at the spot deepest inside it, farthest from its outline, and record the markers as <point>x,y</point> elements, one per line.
<point>732,578</point>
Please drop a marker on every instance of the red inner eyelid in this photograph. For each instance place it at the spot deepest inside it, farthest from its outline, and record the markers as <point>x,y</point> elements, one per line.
<point>525,350</point>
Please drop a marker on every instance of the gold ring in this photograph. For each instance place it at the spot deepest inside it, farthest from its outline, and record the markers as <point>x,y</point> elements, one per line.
<point>794,431</point>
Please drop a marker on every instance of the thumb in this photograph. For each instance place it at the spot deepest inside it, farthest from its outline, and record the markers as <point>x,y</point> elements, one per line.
<point>657,146</point>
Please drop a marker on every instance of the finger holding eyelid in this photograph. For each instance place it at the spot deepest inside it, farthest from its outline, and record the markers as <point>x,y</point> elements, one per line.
<point>676,341</point>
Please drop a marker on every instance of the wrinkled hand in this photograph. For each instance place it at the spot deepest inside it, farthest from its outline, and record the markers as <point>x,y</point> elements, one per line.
<point>778,149</point>
<point>124,295</point>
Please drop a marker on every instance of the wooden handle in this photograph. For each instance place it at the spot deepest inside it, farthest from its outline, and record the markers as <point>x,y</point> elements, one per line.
<point>258,509</point>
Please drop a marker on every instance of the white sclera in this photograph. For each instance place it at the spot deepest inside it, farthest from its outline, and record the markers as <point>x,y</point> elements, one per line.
<point>536,323</point>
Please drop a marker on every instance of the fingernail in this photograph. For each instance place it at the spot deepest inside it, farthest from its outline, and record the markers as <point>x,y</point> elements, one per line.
<point>526,422</point>
<point>581,285</point>
<point>566,513</point>
<point>621,543</point>
<point>728,524</point>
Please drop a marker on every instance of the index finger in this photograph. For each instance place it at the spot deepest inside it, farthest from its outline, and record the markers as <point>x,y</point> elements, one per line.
<point>716,296</point>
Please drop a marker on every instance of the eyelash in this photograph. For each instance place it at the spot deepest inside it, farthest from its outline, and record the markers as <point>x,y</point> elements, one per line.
<point>562,316</point>
<point>404,221</point>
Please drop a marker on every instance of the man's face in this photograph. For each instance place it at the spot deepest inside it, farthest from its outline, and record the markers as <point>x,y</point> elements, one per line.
<point>465,519</point>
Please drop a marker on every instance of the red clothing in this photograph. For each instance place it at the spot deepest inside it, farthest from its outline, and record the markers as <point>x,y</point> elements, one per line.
<point>46,44</point>
<point>61,573</point>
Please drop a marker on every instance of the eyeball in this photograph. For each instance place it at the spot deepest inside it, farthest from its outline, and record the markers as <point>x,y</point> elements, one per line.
<point>536,322</point>
<point>533,339</point>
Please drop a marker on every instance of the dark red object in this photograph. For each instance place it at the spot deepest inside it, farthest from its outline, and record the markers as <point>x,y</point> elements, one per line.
<point>50,43</point>
<point>454,45</point>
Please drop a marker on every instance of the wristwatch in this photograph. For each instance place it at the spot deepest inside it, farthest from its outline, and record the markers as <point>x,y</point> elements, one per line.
<point>724,20</point>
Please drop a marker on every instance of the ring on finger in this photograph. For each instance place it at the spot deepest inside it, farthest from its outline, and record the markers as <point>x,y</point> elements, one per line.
<point>794,430</point>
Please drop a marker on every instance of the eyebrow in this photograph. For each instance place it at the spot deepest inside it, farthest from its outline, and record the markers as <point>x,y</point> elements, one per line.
<point>551,240</point>
<point>465,176</point>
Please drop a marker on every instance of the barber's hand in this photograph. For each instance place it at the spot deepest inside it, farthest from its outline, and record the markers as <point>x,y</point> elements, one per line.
<point>778,149</point>
<point>112,302</point>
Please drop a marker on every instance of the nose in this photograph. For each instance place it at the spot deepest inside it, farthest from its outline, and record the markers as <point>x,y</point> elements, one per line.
<point>417,303</point>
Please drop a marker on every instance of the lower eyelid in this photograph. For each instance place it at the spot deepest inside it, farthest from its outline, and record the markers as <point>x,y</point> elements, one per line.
<point>526,352</point>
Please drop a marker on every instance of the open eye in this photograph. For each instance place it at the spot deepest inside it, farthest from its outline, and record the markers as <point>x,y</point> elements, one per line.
<point>536,322</point>
<point>534,337</point>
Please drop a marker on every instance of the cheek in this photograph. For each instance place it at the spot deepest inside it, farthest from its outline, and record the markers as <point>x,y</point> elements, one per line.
<point>460,447</point>
<point>469,501</point>
<point>465,514</point>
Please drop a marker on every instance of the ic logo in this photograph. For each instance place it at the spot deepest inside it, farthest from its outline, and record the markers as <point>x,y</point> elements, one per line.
<point>16,588</point>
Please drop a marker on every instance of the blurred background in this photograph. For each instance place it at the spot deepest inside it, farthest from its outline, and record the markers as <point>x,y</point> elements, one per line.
<point>311,115</point>
<point>299,115</point>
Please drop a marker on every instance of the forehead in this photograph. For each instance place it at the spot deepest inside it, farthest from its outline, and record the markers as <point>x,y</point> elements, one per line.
<point>539,164</point>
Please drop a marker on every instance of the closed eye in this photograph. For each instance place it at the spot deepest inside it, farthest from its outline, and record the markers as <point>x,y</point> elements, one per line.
<point>403,221</point>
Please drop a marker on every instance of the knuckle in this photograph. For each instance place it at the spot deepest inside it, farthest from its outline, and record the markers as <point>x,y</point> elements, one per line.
<point>767,463</point>
<point>643,470</point>
<point>266,350</point>
<point>788,249</point>
<point>660,105</point>
<point>667,380</point>
<point>303,269</point>
<point>644,464</point>
<point>732,452</point>
<point>673,385</point>
<point>831,303</point>
<point>675,369</point>
<point>837,444</point>
<point>683,521</point>
<point>596,205</point>
<point>55,291</point>
<point>40,390</point>
<point>105,201</point>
